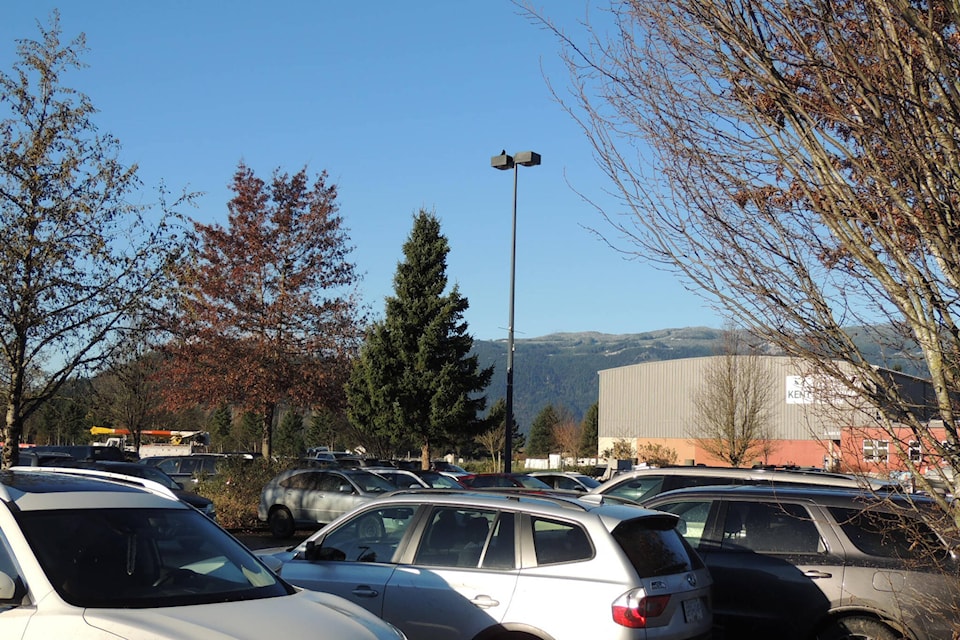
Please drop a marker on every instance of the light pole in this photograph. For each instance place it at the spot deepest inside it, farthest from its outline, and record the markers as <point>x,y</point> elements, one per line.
<point>504,162</point>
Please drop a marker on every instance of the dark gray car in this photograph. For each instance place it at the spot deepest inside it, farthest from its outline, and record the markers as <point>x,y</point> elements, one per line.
<point>800,563</point>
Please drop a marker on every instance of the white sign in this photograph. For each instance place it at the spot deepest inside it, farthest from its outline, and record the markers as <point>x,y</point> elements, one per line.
<point>800,390</point>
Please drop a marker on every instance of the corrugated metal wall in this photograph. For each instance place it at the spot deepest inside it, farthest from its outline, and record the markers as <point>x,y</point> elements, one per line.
<point>655,400</point>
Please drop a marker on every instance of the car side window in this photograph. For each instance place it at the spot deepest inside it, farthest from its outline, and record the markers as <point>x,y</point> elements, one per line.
<point>298,481</point>
<point>693,518</point>
<point>889,535</point>
<point>330,482</point>
<point>771,528</point>
<point>170,465</point>
<point>372,536</point>
<point>639,488</point>
<point>555,541</point>
<point>455,537</point>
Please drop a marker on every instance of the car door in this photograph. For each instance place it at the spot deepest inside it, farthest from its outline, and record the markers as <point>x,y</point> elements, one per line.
<point>460,578</point>
<point>296,494</point>
<point>775,571</point>
<point>355,560</point>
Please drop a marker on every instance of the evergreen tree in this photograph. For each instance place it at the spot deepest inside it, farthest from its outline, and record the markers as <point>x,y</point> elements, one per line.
<point>589,431</point>
<point>289,439</point>
<point>221,421</point>
<point>415,380</point>
<point>540,443</point>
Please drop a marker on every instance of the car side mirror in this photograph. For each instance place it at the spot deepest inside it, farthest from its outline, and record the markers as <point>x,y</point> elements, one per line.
<point>345,488</point>
<point>12,589</point>
<point>314,553</point>
<point>681,527</point>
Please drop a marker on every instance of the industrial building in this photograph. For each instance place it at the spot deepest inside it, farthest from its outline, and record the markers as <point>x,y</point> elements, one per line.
<point>654,403</point>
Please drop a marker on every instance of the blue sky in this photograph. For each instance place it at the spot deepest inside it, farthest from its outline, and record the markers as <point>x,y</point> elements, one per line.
<point>403,104</point>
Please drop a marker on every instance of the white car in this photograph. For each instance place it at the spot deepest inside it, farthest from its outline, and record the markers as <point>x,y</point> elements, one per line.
<point>91,555</point>
<point>469,565</point>
<point>308,498</point>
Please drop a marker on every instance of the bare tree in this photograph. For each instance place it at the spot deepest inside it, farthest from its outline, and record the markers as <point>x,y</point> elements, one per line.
<point>493,441</point>
<point>78,257</point>
<point>566,435</point>
<point>798,164</point>
<point>733,404</point>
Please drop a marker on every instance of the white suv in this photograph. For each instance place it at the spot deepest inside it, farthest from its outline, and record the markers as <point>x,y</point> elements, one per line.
<point>452,565</point>
<point>88,554</point>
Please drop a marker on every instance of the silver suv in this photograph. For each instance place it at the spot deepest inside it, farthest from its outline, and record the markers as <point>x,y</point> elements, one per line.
<point>643,484</point>
<point>798,563</point>
<point>450,565</point>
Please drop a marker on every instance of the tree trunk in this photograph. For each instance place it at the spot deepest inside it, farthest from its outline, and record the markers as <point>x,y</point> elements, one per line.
<point>425,456</point>
<point>266,444</point>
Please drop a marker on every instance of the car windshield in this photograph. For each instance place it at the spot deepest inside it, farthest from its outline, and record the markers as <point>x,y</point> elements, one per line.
<point>144,558</point>
<point>532,483</point>
<point>439,481</point>
<point>371,482</point>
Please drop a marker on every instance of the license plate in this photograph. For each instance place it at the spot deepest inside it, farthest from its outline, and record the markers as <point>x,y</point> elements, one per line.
<point>693,610</point>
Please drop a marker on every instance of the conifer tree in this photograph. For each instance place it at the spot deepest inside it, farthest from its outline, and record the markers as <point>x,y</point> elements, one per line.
<point>590,431</point>
<point>416,381</point>
<point>540,443</point>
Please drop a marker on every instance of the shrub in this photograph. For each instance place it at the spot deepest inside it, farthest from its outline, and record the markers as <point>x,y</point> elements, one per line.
<point>235,490</point>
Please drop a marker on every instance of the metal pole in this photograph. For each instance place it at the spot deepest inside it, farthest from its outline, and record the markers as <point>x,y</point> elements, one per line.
<point>508,436</point>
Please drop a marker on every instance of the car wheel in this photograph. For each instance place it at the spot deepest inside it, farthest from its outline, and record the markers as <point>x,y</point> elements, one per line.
<point>858,628</point>
<point>281,523</point>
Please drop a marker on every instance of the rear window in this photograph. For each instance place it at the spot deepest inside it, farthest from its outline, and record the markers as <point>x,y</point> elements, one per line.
<point>655,548</point>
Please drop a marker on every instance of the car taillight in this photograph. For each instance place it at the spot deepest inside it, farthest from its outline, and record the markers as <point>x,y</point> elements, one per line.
<point>634,608</point>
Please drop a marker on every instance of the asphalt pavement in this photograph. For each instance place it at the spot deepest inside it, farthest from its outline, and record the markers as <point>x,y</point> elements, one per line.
<point>261,539</point>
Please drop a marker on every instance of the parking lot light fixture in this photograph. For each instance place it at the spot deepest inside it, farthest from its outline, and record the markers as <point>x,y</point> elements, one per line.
<point>503,162</point>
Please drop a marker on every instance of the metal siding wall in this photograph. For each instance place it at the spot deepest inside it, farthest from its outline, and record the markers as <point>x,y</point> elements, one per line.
<point>655,400</point>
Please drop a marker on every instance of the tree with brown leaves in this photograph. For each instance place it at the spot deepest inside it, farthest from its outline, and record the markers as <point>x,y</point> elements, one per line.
<point>266,312</point>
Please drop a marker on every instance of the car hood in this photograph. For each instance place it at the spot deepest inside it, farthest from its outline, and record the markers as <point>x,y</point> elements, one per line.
<point>306,614</point>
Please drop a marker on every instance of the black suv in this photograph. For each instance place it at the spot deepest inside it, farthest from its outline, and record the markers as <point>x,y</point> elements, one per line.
<point>801,563</point>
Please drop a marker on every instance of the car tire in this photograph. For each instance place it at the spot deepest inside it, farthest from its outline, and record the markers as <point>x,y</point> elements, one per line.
<point>858,628</point>
<point>281,523</point>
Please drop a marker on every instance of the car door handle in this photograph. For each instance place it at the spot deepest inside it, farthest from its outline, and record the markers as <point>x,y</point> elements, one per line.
<point>817,574</point>
<point>485,602</point>
<point>363,591</point>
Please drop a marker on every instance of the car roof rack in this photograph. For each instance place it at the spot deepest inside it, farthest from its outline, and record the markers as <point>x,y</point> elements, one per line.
<point>572,500</point>
<point>143,483</point>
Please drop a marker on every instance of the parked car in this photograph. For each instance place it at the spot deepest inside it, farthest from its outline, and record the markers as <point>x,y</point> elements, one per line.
<point>801,563</point>
<point>31,458</point>
<point>399,478</point>
<point>309,497</point>
<point>477,564</point>
<point>203,504</point>
<point>87,556</point>
<point>437,480</point>
<point>503,480</point>
<point>567,480</point>
<point>84,452</point>
<point>642,484</point>
<point>186,470</point>
<point>448,467</point>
